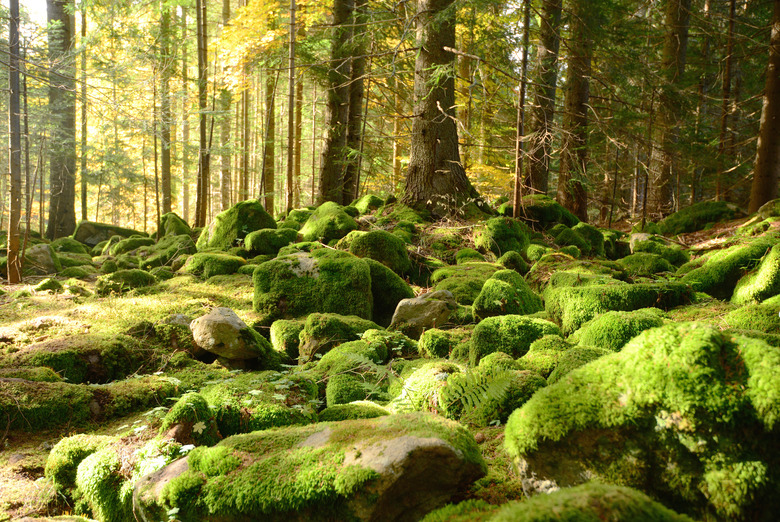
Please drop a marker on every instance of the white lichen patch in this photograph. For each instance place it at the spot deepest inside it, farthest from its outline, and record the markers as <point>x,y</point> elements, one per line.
<point>302,265</point>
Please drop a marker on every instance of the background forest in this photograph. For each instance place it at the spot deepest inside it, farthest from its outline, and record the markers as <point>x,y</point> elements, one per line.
<point>615,102</point>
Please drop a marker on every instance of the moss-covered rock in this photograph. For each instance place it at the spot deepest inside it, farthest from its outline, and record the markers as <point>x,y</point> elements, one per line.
<point>439,344</point>
<point>697,216</point>
<point>761,284</point>
<point>68,259</point>
<point>542,356</point>
<point>230,227</point>
<point>321,332</point>
<point>40,259</point>
<point>463,281</point>
<point>36,374</point>
<point>571,307</point>
<point>573,359</point>
<point>566,236</point>
<point>387,290</point>
<point>703,402</point>
<point>551,263</point>
<point>593,236</point>
<point>353,410</point>
<point>500,235</point>
<point>588,502</point>
<point>285,336</point>
<point>193,421</point>
<point>67,454</point>
<point>512,334</point>
<point>320,472</point>
<point>172,225</point>
<point>506,292</point>
<point>612,330</point>
<point>383,247</point>
<point>210,264</point>
<point>368,203</point>
<point>49,285</point>
<point>535,252</point>
<point>420,389</point>
<point>296,218</point>
<point>70,245</point>
<point>469,255</point>
<point>327,223</point>
<point>268,241</point>
<point>645,264</point>
<point>760,317</point>
<point>129,244</point>
<point>121,281</point>
<point>91,233</point>
<point>514,261</point>
<point>543,211</point>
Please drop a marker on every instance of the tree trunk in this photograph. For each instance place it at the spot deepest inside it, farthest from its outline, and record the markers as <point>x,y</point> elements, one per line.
<point>62,104</point>
<point>662,163</point>
<point>224,107</point>
<point>517,194</point>
<point>334,155</point>
<point>572,178</point>
<point>767,168</point>
<point>269,145</point>
<point>14,265</point>
<point>202,196</point>
<point>185,123</point>
<point>545,78</point>
<point>165,108</point>
<point>397,106</point>
<point>83,111</point>
<point>725,104</point>
<point>298,142</point>
<point>356,94</point>
<point>291,110</point>
<point>436,179</point>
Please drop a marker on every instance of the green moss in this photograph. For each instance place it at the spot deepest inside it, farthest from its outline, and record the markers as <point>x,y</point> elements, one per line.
<point>123,280</point>
<point>79,272</point>
<point>500,235</point>
<point>574,358</point>
<point>166,251</point>
<point>345,388</point>
<point>209,264</point>
<point>593,236</point>
<point>466,511</point>
<point>543,355</point>
<point>230,227</point>
<point>321,332</point>
<point>645,264</point>
<point>421,389</point>
<point>30,406</point>
<point>192,412</point>
<point>36,374</point>
<point>697,216</point>
<point>761,317</point>
<point>354,410</point>
<point>49,284</point>
<point>327,223</point>
<point>67,454</point>
<point>268,241</point>
<point>98,481</point>
<point>673,253</point>
<point>543,211</point>
<point>512,334</point>
<point>389,343</point>
<point>514,261</point>
<point>591,502</point>
<point>130,244</point>
<point>464,281</point>
<point>438,344</point>
<point>284,336</point>
<point>396,213</point>
<point>469,255</point>
<point>569,237</point>
<point>535,252</point>
<point>612,330</point>
<point>571,307</point>
<point>549,264</point>
<point>368,203</point>
<point>68,244</point>
<point>761,284</point>
<point>172,225</point>
<point>296,218</point>
<point>387,290</point>
<point>506,292</point>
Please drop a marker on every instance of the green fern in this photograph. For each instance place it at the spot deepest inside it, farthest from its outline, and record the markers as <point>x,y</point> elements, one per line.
<point>473,390</point>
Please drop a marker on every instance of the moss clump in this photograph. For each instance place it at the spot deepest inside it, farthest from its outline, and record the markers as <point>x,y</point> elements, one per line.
<point>535,252</point>
<point>549,264</point>
<point>650,244</point>
<point>421,389</point>
<point>543,355</point>
<point>387,290</point>
<point>590,502</point>
<point>466,511</point>
<point>391,343</point>
<point>345,388</point>
<point>192,414</point>
<point>684,393</point>
<point>172,225</point>
<point>98,481</point>
<point>395,213</point>
<point>67,454</point>
<point>68,260</point>
<point>514,261</point>
<point>593,236</point>
<point>697,216</point>
<point>91,233</point>
<point>469,255</point>
<point>721,271</point>
<point>31,406</point>
<point>324,281</point>
<point>327,223</point>
<point>500,235</point>
<point>506,292</point>
<point>464,281</point>
<point>123,280</point>
<point>645,264</point>
<point>574,358</point>
<point>613,330</point>
<point>321,332</point>
<point>383,247</point>
<point>230,227</point>
<point>68,244</point>
<point>543,211</point>
<point>512,334</point>
<point>761,284</point>
<point>285,336</point>
<point>368,203</point>
<point>268,241</point>
<point>760,317</point>
<point>35,374</point>
<point>49,285</point>
<point>353,410</point>
<point>571,307</point>
<point>296,218</point>
<point>130,244</point>
<point>210,264</point>
<point>439,344</point>
<point>569,237</point>
<point>79,272</point>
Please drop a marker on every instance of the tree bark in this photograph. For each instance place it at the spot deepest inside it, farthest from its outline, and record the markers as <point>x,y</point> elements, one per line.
<point>14,264</point>
<point>767,168</point>
<point>349,186</point>
<point>517,193</point>
<point>291,109</point>
<point>224,106</point>
<point>269,145</point>
<point>202,197</point>
<point>185,123</point>
<point>83,111</point>
<point>545,78</point>
<point>436,179</point>
<point>62,104</point>
<point>298,143</point>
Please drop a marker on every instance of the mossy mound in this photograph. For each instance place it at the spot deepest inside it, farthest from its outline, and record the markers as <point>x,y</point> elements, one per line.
<point>229,228</point>
<point>500,235</point>
<point>506,292</point>
<point>35,374</point>
<point>420,389</point>
<point>469,255</point>
<point>573,359</point>
<point>49,285</point>
<point>296,218</point>
<point>70,245</point>
<point>121,281</point>
<point>512,334</point>
<point>327,223</point>
<point>615,244</point>
<point>367,203</point>
<point>383,247</point>
<point>439,344</point>
<point>704,403</point>
<point>67,454</point>
<point>590,502</point>
<point>130,244</point>
<point>91,233</point>
<point>697,216</point>
<point>172,225</point>
<point>760,317</point>
<point>353,410</point>
<point>645,264</point>
<point>444,242</point>
<point>514,261</point>
<point>719,275</point>
<point>393,212</point>
<point>554,262</point>
<point>321,332</point>
<point>210,264</point>
<point>543,355</point>
<point>593,236</point>
<point>166,251</point>
<point>463,281</point>
<point>69,260</point>
<point>268,241</point>
<point>387,290</point>
<point>285,336</point>
<point>193,420</point>
<point>544,212</point>
<point>612,330</point>
<point>571,307</point>
<point>393,344</point>
<point>761,284</point>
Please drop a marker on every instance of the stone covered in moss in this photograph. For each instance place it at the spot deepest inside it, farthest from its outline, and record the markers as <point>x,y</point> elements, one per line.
<point>544,269</point>
<point>321,332</point>
<point>543,211</point>
<point>506,292</point>
<point>543,355</point>
<point>573,359</point>
<point>123,280</point>
<point>683,394</point>
<point>98,481</point>
<point>588,502</point>
<point>36,374</point>
<point>91,233</point>
<point>327,223</point>
<point>393,212</point>
<point>500,235</point>
<point>420,390</point>
<point>645,264</point>
<point>512,334</point>
<point>761,284</point>
<point>210,264</point>
<point>566,236</point>
<point>535,252</point>
<point>760,317</point>
<point>40,259</point>
<point>193,421</point>
<point>268,241</point>
<point>130,244</point>
<point>324,281</point>
<point>285,336</point>
<point>463,281</point>
<point>326,471</point>
<point>469,255</point>
<point>571,307</point>
<point>70,245</point>
<point>296,218</point>
<point>230,227</point>
<point>387,290</point>
<point>49,285</point>
<point>659,245</point>
<point>172,225</point>
<point>353,410</point>
<point>697,216</point>
<point>593,236</point>
<point>67,454</point>
<point>368,203</point>
<point>514,261</point>
<point>438,344</point>
<point>612,330</point>
<point>383,247</point>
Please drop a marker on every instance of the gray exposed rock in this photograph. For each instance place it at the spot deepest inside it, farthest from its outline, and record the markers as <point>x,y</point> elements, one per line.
<point>220,332</point>
<point>429,310</point>
<point>40,260</point>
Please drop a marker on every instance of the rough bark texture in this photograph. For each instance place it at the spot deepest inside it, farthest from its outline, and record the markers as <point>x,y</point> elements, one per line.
<point>767,169</point>
<point>662,164</point>
<point>62,103</point>
<point>545,78</point>
<point>225,98</point>
<point>269,154</point>
<point>436,178</point>
<point>185,124</point>
<point>572,179</point>
<point>298,143</point>
<point>14,264</point>
<point>334,148</point>
<point>202,197</point>
<point>356,94</point>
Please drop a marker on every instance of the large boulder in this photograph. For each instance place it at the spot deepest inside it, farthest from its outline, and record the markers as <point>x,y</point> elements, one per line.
<point>511,334</point>
<point>230,227</point>
<point>506,292</point>
<point>384,247</point>
<point>91,233</point>
<point>391,468</point>
<point>172,225</point>
<point>268,241</point>
<point>327,223</point>
<point>684,412</point>
<point>224,334</point>
<point>40,260</point>
<point>500,235</point>
<point>430,310</point>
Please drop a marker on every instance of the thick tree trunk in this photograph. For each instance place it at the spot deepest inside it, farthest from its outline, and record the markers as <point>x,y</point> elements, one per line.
<point>62,104</point>
<point>334,154</point>
<point>767,168</point>
<point>166,71</point>
<point>725,103</point>
<point>356,95</point>
<point>83,111</point>
<point>185,123</point>
<point>545,78</point>
<point>14,265</point>
<point>572,179</point>
<point>291,109</point>
<point>518,191</point>
<point>436,179</point>
<point>269,153</point>
<point>225,97</point>
<point>662,163</point>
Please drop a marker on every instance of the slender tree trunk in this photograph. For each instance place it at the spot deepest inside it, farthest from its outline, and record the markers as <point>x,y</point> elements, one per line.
<point>334,155</point>
<point>224,106</point>
<point>204,178</point>
<point>14,265</point>
<point>767,168</point>
<point>314,146</point>
<point>185,122</point>
<point>397,107</point>
<point>269,145</point>
<point>517,195</point>
<point>298,142</point>
<point>572,178</point>
<point>165,108</point>
<point>62,104</point>
<point>83,111</point>
<point>291,110</point>
<point>543,111</point>
<point>436,179</point>
<point>726,106</point>
<point>349,187</point>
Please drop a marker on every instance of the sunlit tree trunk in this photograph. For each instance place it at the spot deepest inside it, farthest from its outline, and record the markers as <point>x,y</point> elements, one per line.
<point>14,264</point>
<point>291,109</point>
<point>224,106</point>
<point>269,146</point>
<point>83,111</point>
<point>166,117</point>
<point>185,123</point>
<point>298,143</point>
<point>202,201</point>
